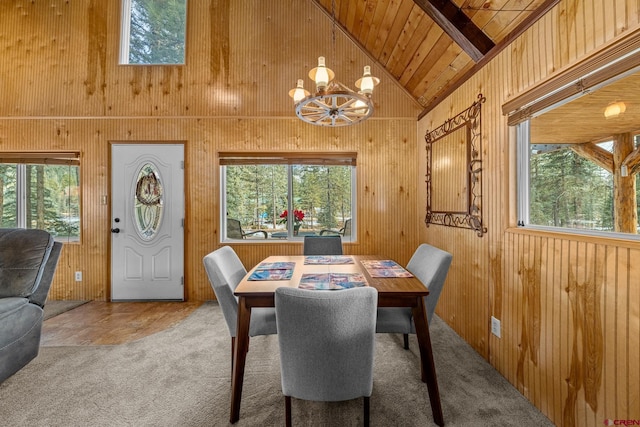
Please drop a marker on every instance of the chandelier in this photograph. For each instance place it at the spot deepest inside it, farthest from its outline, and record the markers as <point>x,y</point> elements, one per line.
<point>334,104</point>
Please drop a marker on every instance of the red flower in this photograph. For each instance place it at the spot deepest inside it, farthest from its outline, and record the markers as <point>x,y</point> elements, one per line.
<point>298,215</point>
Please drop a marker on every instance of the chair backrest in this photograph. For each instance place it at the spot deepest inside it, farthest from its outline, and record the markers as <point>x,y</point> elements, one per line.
<point>323,245</point>
<point>326,341</point>
<point>234,229</point>
<point>225,271</point>
<point>430,265</point>
<point>23,257</point>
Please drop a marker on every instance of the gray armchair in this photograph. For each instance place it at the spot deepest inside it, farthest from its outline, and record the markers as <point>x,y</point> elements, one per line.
<point>225,271</point>
<point>28,259</point>
<point>326,341</point>
<point>430,265</point>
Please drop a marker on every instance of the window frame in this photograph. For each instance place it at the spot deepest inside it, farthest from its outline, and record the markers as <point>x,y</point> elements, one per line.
<point>615,61</point>
<point>523,188</point>
<point>290,159</point>
<point>124,47</point>
<point>21,160</point>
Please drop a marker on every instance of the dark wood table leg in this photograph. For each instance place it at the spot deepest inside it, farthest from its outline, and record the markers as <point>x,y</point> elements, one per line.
<point>427,365</point>
<point>239,357</point>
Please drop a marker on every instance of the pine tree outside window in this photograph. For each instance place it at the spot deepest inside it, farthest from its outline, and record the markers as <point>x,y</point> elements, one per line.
<point>274,198</point>
<point>578,146</point>
<point>41,191</point>
<point>153,32</point>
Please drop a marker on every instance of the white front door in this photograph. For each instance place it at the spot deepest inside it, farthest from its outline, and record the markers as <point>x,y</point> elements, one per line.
<point>147,216</point>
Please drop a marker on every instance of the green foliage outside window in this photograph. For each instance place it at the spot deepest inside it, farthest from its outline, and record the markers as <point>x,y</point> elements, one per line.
<point>157,32</point>
<point>51,195</point>
<point>8,206</point>
<point>257,196</point>
<point>569,191</point>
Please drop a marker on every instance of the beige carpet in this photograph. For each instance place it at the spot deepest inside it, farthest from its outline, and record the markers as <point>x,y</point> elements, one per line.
<point>181,377</point>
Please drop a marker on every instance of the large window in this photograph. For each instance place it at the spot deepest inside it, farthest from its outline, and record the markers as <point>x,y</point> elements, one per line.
<point>579,161</point>
<point>287,197</point>
<point>41,190</point>
<point>568,190</point>
<point>153,32</point>
<point>579,145</point>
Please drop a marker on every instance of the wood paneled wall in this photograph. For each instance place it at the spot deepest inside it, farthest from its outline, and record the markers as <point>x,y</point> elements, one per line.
<point>62,89</point>
<point>60,58</point>
<point>568,305</point>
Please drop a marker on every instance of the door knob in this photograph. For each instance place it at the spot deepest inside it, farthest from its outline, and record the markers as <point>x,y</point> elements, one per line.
<point>115,230</point>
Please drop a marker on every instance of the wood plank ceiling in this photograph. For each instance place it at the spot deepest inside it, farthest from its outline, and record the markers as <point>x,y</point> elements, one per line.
<point>432,46</point>
<point>582,120</point>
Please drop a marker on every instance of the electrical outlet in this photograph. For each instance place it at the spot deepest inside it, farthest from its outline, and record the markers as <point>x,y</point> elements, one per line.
<point>78,276</point>
<point>495,327</point>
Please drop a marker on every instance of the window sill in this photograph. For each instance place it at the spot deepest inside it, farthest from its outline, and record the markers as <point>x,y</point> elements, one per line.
<point>631,241</point>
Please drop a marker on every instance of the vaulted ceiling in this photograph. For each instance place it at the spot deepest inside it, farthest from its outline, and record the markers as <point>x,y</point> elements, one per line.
<point>431,46</point>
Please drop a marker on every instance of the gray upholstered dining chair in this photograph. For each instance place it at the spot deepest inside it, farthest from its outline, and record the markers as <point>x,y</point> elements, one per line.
<point>430,265</point>
<point>327,341</point>
<point>225,271</point>
<point>322,245</point>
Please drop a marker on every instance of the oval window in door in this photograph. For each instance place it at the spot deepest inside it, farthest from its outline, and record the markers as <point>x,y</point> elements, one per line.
<point>149,202</point>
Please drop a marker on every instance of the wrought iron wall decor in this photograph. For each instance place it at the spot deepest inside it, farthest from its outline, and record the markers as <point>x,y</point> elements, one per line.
<point>454,165</point>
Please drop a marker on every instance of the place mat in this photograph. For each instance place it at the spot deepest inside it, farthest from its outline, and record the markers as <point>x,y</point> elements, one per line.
<point>331,281</point>
<point>328,259</point>
<point>273,271</point>
<point>385,268</point>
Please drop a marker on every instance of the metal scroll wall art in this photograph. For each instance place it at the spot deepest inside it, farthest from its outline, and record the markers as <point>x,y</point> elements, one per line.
<point>454,167</point>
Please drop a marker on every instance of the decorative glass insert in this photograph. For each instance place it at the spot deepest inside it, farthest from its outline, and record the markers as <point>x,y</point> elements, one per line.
<point>149,202</point>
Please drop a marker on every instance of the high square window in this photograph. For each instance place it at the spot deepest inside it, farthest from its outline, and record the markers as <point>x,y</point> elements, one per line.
<point>153,32</point>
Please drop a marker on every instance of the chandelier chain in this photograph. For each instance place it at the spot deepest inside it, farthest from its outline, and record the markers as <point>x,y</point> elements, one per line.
<point>333,31</point>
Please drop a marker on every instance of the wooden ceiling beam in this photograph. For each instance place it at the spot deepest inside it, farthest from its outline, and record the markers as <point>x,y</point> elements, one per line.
<point>458,26</point>
<point>632,161</point>
<point>517,32</point>
<point>596,154</point>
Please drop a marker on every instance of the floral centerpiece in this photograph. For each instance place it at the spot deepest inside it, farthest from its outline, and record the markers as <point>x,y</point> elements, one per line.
<point>298,219</point>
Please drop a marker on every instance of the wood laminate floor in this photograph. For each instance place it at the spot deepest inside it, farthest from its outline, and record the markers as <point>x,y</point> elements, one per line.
<point>112,323</point>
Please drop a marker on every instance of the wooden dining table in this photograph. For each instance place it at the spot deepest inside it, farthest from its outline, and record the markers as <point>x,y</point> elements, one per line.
<point>392,292</point>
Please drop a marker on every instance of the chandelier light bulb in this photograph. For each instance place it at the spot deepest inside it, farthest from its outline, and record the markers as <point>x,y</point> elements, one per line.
<point>299,92</point>
<point>321,75</point>
<point>361,107</point>
<point>367,82</point>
